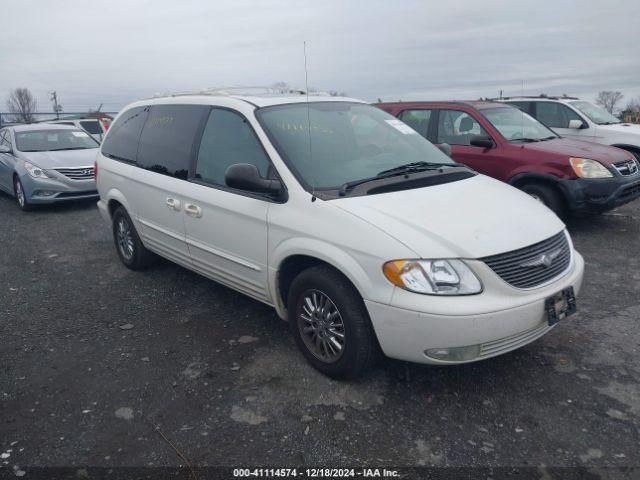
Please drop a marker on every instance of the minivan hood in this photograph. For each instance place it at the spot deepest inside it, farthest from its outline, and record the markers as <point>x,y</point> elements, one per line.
<point>61,158</point>
<point>580,148</point>
<point>470,218</point>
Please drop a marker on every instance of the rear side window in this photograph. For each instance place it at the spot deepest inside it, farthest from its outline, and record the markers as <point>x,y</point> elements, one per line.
<point>524,106</point>
<point>555,115</point>
<point>228,139</point>
<point>122,141</point>
<point>417,119</point>
<point>92,127</point>
<point>457,128</point>
<point>167,139</point>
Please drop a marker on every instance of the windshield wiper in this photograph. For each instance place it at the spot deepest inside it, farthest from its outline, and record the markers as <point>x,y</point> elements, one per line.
<point>525,140</point>
<point>69,148</point>
<point>550,137</point>
<point>396,171</point>
<point>609,123</point>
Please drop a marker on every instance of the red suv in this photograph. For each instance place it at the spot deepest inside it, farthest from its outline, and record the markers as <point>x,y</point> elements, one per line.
<point>503,142</point>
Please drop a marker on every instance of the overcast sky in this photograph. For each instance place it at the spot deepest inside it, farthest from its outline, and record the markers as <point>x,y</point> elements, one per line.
<point>117,51</point>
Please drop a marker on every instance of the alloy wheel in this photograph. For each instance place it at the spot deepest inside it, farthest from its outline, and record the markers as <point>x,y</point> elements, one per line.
<point>20,193</point>
<point>124,236</point>
<point>321,326</point>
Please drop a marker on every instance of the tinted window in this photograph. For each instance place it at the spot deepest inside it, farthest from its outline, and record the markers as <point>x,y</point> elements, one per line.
<point>524,106</point>
<point>228,139</point>
<point>122,141</point>
<point>417,119</point>
<point>555,115</point>
<point>457,128</point>
<point>91,127</point>
<point>4,138</point>
<point>166,142</point>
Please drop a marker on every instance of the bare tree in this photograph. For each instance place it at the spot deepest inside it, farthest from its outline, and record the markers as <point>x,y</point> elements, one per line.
<point>608,100</point>
<point>22,105</point>
<point>633,105</point>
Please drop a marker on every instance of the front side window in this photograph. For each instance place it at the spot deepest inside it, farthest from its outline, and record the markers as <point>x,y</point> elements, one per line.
<point>457,128</point>
<point>166,141</point>
<point>595,113</point>
<point>228,139</point>
<point>122,141</point>
<point>53,140</point>
<point>555,115</point>
<point>517,126</point>
<point>327,144</point>
<point>417,119</point>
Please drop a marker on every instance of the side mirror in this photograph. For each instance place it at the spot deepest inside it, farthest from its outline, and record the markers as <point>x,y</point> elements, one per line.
<point>245,176</point>
<point>445,148</point>
<point>481,141</point>
<point>5,149</point>
<point>576,124</point>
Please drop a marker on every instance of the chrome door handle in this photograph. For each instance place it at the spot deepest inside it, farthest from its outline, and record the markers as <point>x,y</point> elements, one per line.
<point>173,204</point>
<point>193,210</point>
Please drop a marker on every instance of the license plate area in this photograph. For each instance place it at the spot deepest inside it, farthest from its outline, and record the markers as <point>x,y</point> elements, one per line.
<point>560,305</point>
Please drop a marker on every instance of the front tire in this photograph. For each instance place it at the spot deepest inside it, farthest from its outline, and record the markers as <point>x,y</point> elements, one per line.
<point>20,195</point>
<point>131,251</point>
<point>330,323</point>
<point>547,195</point>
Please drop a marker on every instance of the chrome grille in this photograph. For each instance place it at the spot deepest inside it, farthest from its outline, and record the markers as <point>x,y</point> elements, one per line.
<point>80,173</point>
<point>533,265</point>
<point>630,167</point>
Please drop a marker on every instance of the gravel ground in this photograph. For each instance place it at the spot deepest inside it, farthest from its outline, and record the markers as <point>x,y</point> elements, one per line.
<point>102,366</point>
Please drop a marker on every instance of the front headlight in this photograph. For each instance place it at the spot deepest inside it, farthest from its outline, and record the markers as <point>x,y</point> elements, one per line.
<point>586,168</point>
<point>35,172</point>
<point>433,277</point>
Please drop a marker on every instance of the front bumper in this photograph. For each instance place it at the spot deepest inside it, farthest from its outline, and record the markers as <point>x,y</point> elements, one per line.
<point>600,195</point>
<point>58,189</point>
<point>496,321</point>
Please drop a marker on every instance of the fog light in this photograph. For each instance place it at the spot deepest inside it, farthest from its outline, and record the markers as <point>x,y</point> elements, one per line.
<point>456,354</point>
<point>44,193</point>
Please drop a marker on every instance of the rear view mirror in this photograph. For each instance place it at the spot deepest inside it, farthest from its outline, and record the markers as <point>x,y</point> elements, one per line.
<point>245,176</point>
<point>481,141</point>
<point>576,124</point>
<point>445,148</point>
<point>5,149</point>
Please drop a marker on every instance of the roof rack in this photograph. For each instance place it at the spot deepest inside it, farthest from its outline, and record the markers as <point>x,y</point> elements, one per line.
<point>564,96</point>
<point>242,91</point>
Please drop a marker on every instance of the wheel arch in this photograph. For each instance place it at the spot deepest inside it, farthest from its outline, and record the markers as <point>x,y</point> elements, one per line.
<point>296,255</point>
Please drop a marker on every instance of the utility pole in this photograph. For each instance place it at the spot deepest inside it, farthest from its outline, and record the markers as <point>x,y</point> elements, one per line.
<point>56,108</point>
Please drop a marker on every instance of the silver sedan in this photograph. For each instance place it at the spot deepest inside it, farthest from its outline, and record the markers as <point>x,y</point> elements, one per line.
<point>46,163</point>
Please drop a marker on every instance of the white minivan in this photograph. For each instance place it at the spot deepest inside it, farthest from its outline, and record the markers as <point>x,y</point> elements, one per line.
<point>358,231</point>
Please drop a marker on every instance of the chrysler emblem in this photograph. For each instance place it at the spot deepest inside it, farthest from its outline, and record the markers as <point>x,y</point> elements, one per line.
<point>545,260</point>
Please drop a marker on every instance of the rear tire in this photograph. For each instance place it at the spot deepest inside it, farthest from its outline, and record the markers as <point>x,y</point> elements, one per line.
<point>20,195</point>
<point>330,323</point>
<point>547,195</point>
<point>131,251</point>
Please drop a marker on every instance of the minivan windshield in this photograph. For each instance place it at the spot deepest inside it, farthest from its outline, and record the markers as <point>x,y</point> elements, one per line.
<point>517,126</point>
<point>53,140</point>
<point>595,113</point>
<point>348,142</point>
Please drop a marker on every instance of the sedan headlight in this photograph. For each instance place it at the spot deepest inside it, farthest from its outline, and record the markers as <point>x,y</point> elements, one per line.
<point>433,277</point>
<point>35,172</point>
<point>586,168</point>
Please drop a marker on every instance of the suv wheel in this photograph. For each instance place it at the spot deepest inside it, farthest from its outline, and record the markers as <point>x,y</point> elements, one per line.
<point>548,196</point>
<point>330,323</point>
<point>21,196</point>
<point>130,249</point>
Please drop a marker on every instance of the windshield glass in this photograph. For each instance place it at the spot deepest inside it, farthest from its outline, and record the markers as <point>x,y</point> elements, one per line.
<point>595,113</point>
<point>515,125</point>
<point>49,140</point>
<point>348,142</point>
